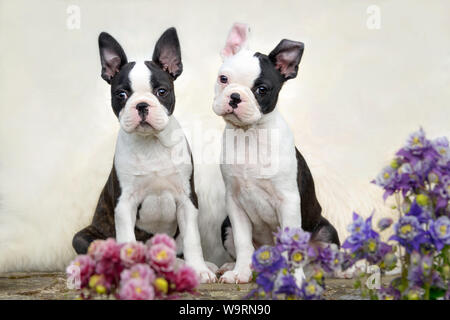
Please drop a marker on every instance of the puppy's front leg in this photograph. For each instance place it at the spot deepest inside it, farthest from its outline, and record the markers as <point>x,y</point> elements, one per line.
<point>290,216</point>
<point>288,211</point>
<point>242,235</point>
<point>187,216</point>
<point>125,219</point>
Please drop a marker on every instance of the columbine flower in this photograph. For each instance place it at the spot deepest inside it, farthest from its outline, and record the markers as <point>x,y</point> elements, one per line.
<point>330,258</point>
<point>136,289</point>
<point>131,253</point>
<point>186,279</point>
<point>292,237</point>
<point>408,232</point>
<point>440,232</point>
<point>421,272</point>
<point>388,293</point>
<point>287,285</point>
<point>267,259</point>
<point>385,177</point>
<point>164,239</point>
<point>311,290</point>
<point>139,271</point>
<point>385,223</point>
<point>361,231</point>
<point>441,146</point>
<point>161,257</point>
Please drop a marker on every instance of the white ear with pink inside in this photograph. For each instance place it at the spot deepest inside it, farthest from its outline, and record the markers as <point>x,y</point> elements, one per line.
<point>237,39</point>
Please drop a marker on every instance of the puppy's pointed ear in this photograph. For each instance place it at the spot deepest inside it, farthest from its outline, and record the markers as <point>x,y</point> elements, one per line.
<point>167,53</point>
<point>286,56</point>
<point>237,39</point>
<point>112,56</point>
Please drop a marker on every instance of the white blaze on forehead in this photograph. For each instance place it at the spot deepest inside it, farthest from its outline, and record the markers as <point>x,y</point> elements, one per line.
<point>243,68</point>
<point>140,78</point>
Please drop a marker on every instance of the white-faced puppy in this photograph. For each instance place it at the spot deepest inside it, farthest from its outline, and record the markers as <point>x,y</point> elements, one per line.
<point>268,183</point>
<point>151,186</point>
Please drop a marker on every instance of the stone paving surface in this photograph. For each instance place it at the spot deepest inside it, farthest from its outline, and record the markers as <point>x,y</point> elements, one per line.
<point>45,285</point>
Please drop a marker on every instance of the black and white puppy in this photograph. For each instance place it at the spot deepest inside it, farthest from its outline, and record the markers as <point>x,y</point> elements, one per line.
<point>259,200</point>
<point>151,186</point>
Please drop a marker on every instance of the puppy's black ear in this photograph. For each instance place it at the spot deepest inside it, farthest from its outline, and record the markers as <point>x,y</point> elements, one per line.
<point>167,53</point>
<point>112,56</point>
<point>286,56</point>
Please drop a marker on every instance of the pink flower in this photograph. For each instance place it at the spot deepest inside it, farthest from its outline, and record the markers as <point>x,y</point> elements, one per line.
<point>132,253</point>
<point>186,279</point>
<point>139,271</point>
<point>162,238</point>
<point>105,250</point>
<point>83,266</point>
<point>136,289</point>
<point>161,257</point>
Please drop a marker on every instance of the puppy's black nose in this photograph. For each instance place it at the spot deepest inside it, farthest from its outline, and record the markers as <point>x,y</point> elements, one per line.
<point>235,99</point>
<point>142,109</point>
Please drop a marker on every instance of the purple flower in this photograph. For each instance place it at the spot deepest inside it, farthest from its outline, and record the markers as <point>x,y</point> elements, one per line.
<point>440,232</point>
<point>287,285</point>
<point>385,223</point>
<point>418,148</point>
<point>136,289</point>
<point>311,290</point>
<point>441,146</point>
<point>421,272</point>
<point>409,233</point>
<point>139,271</point>
<point>292,237</point>
<point>330,258</point>
<point>267,259</point>
<point>388,293</point>
<point>361,231</point>
<point>265,280</point>
<point>422,214</point>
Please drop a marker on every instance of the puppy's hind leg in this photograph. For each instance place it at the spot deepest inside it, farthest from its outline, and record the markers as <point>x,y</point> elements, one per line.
<point>83,239</point>
<point>325,232</point>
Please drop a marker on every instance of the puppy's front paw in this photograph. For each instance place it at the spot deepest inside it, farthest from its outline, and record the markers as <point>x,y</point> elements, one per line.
<point>205,274</point>
<point>237,276</point>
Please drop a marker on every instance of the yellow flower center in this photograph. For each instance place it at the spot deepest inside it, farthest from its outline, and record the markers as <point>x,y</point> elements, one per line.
<point>386,175</point>
<point>336,261</point>
<point>93,280</point>
<point>443,230</point>
<point>129,251</point>
<point>389,298</point>
<point>311,288</point>
<point>264,255</point>
<point>416,141</point>
<point>161,284</point>
<point>372,245</point>
<point>77,263</point>
<point>161,255</point>
<point>296,237</point>
<point>297,257</point>
<point>100,289</point>
<point>318,275</point>
<point>138,290</point>
<point>135,274</point>
<point>406,229</point>
<point>442,151</point>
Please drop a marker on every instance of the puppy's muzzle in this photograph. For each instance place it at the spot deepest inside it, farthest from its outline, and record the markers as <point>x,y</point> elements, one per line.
<point>142,109</point>
<point>235,99</point>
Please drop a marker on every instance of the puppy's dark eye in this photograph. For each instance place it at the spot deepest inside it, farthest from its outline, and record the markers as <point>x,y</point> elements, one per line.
<point>122,95</point>
<point>161,92</point>
<point>223,79</point>
<point>261,90</point>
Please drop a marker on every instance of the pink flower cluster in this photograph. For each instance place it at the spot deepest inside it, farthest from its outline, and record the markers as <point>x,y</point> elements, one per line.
<point>133,271</point>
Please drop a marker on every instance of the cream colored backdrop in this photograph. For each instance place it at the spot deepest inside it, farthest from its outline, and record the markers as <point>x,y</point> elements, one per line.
<point>358,94</point>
